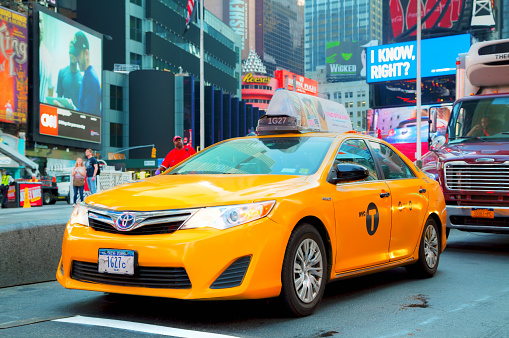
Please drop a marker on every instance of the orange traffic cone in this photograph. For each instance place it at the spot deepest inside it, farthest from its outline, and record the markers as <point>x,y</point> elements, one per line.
<point>26,202</point>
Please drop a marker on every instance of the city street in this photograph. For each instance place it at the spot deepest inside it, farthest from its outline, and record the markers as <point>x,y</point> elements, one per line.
<point>468,297</point>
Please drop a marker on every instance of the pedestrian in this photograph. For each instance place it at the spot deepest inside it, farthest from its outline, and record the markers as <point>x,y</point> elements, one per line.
<point>177,155</point>
<point>92,166</point>
<point>6,181</point>
<point>90,90</point>
<point>79,174</point>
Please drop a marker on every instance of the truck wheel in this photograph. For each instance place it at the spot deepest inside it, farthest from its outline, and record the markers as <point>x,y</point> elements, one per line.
<point>46,198</point>
<point>304,272</point>
<point>429,252</point>
<point>53,201</point>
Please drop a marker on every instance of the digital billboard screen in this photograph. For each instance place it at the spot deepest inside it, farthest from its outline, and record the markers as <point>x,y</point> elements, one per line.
<point>398,126</point>
<point>70,66</point>
<point>67,67</point>
<point>438,17</point>
<point>13,67</point>
<point>399,61</point>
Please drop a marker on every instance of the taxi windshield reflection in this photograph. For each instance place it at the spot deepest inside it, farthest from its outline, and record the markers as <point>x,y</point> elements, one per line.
<point>263,156</point>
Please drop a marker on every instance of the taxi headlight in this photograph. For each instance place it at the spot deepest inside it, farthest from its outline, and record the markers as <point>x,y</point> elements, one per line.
<point>228,216</point>
<point>79,215</point>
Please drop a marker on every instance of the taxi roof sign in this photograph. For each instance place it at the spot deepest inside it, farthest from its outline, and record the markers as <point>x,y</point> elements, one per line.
<point>289,111</point>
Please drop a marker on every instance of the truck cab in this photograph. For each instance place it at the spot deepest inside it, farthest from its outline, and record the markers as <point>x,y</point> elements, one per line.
<point>471,161</point>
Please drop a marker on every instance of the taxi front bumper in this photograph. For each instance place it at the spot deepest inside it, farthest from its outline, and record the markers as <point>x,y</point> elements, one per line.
<point>252,253</point>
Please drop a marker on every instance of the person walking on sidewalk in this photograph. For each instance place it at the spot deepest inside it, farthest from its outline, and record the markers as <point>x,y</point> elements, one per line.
<point>92,167</point>
<point>79,174</point>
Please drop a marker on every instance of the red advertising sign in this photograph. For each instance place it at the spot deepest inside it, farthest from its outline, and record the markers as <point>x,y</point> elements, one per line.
<point>34,194</point>
<point>304,85</point>
<point>13,67</point>
<point>437,15</point>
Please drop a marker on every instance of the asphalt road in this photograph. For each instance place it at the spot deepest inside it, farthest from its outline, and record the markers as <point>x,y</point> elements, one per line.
<point>468,297</point>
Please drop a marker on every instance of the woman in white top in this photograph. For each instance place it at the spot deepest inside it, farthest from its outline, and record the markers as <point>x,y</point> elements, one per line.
<point>79,175</point>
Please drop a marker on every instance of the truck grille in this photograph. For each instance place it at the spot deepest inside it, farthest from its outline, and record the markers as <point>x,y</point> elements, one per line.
<point>477,177</point>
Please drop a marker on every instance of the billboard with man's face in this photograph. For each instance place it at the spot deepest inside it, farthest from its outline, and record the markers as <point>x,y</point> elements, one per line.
<point>70,66</point>
<point>13,67</point>
<point>68,70</point>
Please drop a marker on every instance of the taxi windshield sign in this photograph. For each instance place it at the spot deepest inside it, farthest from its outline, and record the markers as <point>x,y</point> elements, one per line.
<point>290,111</point>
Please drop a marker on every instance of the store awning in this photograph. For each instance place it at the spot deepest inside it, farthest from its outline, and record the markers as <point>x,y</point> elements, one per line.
<point>15,156</point>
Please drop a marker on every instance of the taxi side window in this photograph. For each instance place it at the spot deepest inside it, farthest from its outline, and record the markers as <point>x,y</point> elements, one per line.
<point>393,167</point>
<point>357,152</point>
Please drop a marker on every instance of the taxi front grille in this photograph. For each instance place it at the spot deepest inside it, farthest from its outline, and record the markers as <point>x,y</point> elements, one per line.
<point>477,177</point>
<point>149,229</point>
<point>233,275</point>
<point>149,224</point>
<point>148,277</point>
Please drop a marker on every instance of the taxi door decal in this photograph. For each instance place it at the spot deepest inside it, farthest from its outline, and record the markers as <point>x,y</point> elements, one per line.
<point>372,219</point>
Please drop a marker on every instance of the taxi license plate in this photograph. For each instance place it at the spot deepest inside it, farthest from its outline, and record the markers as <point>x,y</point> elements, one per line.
<point>115,261</point>
<point>483,213</point>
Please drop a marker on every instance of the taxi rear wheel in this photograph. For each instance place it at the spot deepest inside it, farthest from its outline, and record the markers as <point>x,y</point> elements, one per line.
<point>304,271</point>
<point>429,252</point>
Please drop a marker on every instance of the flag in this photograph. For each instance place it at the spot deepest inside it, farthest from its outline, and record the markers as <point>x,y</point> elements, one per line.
<point>190,10</point>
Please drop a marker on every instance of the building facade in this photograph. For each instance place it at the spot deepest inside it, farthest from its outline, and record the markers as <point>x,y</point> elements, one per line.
<point>273,28</point>
<point>151,34</point>
<point>338,20</point>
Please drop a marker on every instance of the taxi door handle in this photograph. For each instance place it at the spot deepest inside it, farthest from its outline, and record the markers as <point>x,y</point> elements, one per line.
<point>384,194</point>
<point>422,191</point>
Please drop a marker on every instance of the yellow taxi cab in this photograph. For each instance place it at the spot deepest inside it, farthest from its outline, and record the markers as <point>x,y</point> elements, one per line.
<point>280,214</point>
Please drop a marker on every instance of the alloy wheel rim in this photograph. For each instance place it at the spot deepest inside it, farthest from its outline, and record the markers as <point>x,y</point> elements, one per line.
<point>431,246</point>
<point>307,270</point>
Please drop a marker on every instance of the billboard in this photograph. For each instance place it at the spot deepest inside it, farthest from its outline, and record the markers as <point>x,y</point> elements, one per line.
<point>399,61</point>
<point>13,67</point>
<point>303,84</point>
<point>68,70</point>
<point>346,61</point>
<point>398,126</point>
<point>70,66</point>
<point>438,16</point>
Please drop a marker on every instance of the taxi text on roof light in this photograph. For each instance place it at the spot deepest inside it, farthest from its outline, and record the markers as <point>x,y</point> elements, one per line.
<point>289,111</point>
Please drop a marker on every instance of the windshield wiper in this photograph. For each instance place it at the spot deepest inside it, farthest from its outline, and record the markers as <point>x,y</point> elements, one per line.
<point>476,138</point>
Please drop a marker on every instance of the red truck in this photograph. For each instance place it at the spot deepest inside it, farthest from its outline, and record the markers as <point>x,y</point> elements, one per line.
<point>471,161</point>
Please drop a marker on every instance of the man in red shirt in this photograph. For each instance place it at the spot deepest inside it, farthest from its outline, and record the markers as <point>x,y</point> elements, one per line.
<point>177,155</point>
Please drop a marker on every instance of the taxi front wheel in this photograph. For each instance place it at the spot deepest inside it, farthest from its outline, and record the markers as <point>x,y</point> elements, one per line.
<point>429,252</point>
<point>304,273</point>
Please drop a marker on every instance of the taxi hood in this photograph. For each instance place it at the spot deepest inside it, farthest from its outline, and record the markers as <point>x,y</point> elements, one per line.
<point>193,191</point>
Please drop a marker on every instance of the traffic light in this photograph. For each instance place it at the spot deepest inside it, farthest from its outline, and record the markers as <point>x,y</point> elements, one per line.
<point>153,152</point>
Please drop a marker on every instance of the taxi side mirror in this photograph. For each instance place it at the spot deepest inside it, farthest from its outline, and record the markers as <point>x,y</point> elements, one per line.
<point>349,172</point>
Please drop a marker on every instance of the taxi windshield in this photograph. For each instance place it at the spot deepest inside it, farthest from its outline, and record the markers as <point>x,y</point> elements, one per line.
<point>265,156</point>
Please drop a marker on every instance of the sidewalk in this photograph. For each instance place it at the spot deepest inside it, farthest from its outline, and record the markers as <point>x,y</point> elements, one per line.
<point>57,213</point>
<point>31,242</point>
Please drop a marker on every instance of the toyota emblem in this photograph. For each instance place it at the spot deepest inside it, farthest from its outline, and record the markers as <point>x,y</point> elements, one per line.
<point>126,221</point>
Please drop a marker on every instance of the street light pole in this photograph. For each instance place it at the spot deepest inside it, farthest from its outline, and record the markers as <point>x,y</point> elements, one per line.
<point>418,155</point>
<point>202,82</point>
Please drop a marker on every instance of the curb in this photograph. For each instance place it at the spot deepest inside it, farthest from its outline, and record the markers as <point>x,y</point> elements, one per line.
<point>30,251</point>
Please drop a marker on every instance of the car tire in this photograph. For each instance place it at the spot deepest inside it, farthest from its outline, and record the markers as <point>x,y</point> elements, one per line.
<point>46,198</point>
<point>304,272</point>
<point>429,252</point>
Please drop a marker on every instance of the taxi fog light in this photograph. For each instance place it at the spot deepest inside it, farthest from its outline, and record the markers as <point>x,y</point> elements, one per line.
<point>79,215</point>
<point>228,216</point>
